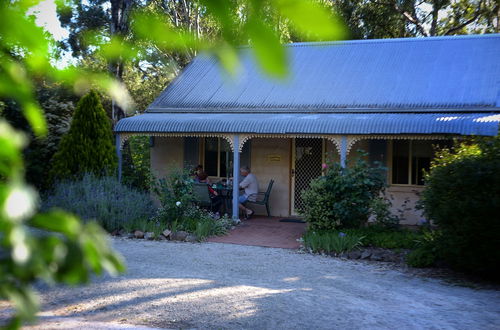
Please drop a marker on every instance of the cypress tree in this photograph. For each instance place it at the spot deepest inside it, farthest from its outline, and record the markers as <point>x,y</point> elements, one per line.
<point>88,145</point>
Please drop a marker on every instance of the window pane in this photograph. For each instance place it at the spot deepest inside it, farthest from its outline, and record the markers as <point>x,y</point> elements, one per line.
<point>226,158</point>
<point>419,165</point>
<point>422,154</point>
<point>400,162</point>
<point>211,146</point>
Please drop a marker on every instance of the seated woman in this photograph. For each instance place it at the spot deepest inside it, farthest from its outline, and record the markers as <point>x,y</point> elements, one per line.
<point>214,195</point>
<point>203,178</point>
<point>197,171</point>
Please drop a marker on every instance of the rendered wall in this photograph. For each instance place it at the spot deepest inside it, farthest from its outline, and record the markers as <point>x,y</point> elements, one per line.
<point>271,160</point>
<point>404,199</point>
<point>166,153</point>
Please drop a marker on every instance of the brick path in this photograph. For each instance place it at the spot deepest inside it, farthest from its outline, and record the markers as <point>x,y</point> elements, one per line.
<point>264,231</point>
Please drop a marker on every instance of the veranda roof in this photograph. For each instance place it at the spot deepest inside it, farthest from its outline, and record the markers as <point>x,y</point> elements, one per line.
<point>346,123</point>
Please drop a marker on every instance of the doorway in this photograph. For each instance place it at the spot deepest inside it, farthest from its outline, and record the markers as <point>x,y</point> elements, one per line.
<point>307,157</point>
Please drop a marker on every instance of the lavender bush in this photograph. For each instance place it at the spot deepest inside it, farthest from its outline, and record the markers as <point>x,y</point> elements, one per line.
<point>103,199</point>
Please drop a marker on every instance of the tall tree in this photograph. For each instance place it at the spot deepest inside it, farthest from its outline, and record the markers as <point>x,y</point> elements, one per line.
<point>101,20</point>
<point>403,18</point>
<point>120,12</point>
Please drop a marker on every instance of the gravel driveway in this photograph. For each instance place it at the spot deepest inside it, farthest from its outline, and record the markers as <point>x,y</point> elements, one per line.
<point>213,285</point>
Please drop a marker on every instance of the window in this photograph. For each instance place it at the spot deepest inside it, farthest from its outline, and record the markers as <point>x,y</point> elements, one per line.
<point>218,159</point>
<point>411,158</point>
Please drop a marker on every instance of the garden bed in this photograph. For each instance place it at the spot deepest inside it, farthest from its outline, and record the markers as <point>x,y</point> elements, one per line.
<point>370,243</point>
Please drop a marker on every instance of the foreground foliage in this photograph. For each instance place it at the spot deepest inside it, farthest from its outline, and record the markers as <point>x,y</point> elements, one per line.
<point>63,250</point>
<point>70,257</point>
<point>462,197</point>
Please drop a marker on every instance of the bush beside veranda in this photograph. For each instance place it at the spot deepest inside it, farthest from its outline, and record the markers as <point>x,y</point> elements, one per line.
<point>343,197</point>
<point>462,197</point>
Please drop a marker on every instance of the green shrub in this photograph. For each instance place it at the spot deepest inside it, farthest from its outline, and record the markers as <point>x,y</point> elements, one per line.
<point>380,207</point>
<point>382,237</point>
<point>175,193</point>
<point>197,221</point>
<point>343,197</point>
<point>331,241</point>
<point>462,197</point>
<point>136,163</point>
<point>178,209</point>
<point>426,253</point>
<point>104,199</point>
<point>420,258</point>
<point>88,146</point>
<point>152,226</point>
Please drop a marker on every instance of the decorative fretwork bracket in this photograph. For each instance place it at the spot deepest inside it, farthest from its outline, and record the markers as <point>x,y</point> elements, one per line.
<point>335,139</point>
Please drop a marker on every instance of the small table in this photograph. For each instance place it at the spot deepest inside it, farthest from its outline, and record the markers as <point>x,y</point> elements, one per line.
<point>226,194</point>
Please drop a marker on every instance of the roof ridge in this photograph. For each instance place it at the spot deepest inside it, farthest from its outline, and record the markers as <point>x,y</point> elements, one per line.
<point>388,40</point>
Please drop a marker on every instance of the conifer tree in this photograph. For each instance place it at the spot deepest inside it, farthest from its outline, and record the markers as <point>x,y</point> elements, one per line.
<point>88,145</point>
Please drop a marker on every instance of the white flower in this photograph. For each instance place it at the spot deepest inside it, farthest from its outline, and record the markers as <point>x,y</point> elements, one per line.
<point>178,203</point>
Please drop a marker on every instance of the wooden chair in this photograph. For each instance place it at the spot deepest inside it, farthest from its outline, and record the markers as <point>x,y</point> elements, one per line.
<point>202,195</point>
<point>263,197</point>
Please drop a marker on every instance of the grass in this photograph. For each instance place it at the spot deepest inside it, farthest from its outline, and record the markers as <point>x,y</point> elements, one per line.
<point>350,239</point>
<point>332,241</point>
<point>387,238</point>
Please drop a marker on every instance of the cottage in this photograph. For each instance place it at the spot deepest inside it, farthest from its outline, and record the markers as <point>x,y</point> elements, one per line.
<point>393,98</point>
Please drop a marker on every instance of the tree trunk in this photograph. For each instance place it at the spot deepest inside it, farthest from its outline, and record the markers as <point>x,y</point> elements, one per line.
<point>120,11</point>
<point>435,17</point>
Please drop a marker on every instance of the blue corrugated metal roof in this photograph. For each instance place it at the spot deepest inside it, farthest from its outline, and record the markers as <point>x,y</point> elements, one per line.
<point>454,74</point>
<point>345,123</point>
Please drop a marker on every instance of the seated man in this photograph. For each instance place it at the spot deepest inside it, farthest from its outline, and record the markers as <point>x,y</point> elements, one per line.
<point>251,187</point>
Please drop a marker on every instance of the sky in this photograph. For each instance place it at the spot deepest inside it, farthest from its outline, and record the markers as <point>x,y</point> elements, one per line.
<point>46,16</point>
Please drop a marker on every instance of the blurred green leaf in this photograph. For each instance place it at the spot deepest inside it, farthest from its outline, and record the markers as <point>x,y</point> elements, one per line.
<point>267,48</point>
<point>311,20</point>
<point>97,243</point>
<point>34,115</point>
<point>10,143</point>
<point>228,57</point>
<point>73,270</point>
<point>57,221</point>
<point>24,300</point>
<point>92,255</point>
<point>158,30</point>
<point>117,48</point>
